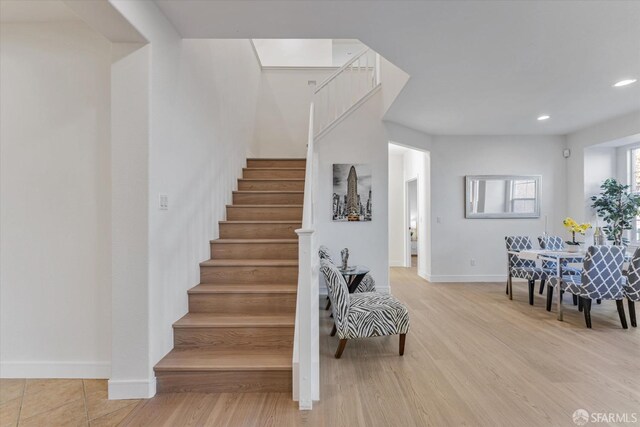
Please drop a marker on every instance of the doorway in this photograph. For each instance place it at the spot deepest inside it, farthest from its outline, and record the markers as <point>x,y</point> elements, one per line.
<point>410,209</point>
<point>412,215</point>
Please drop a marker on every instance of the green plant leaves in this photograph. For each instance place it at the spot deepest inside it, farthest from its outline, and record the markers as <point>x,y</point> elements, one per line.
<point>618,207</point>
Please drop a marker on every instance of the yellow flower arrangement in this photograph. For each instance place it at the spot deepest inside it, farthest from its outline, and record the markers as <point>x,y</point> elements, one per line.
<point>571,225</point>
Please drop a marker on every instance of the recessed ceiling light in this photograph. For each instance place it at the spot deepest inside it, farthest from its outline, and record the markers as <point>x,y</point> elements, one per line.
<point>545,117</point>
<point>625,82</point>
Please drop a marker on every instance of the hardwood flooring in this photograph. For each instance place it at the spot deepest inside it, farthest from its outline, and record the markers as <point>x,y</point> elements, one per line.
<point>60,402</point>
<point>472,358</point>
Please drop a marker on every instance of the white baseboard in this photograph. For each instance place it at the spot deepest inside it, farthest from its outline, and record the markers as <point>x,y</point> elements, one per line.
<point>55,369</point>
<point>132,389</point>
<point>469,278</point>
<point>396,263</point>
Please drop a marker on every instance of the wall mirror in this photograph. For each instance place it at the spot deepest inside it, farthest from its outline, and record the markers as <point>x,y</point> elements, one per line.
<point>502,196</point>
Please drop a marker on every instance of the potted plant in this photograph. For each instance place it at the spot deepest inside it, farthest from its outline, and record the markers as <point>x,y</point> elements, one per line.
<point>618,207</point>
<point>571,225</point>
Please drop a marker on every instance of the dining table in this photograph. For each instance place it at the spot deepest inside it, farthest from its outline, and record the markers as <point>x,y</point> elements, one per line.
<point>559,258</point>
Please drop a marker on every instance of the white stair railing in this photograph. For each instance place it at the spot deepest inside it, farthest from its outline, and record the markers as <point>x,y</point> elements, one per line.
<point>334,99</point>
<point>345,90</point>
<point>306,350</point>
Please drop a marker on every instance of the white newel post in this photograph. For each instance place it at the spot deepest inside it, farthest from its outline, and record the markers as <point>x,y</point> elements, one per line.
<point>305,315</point>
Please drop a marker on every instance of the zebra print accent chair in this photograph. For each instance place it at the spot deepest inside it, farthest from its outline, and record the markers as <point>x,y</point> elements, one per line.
<point>555,243</point>
<point>368,284</point>
<point>601,279</point>
<point>363,315</point>
<point>632,287</point>
<point>522,268</point>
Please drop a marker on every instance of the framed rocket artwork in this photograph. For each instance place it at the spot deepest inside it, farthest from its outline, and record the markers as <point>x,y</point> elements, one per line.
<point>351,192</point>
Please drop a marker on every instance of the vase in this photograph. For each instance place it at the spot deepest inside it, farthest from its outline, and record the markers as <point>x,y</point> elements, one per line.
<point>572,248</point>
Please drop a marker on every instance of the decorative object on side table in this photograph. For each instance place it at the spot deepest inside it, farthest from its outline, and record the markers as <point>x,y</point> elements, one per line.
<point>571,225</point>
<point>618,207</point>
<point>598,237</point>
<point>344,254</point>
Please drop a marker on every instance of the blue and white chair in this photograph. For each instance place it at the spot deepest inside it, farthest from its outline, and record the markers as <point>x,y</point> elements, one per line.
<point>632,287</point>
<point>601,278</point>
<point>555,243</point>
<point>363,315</point>
<point>522,268</point>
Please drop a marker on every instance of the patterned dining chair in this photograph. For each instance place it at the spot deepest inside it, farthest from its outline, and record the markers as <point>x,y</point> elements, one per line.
<point>632,287</point>
<point>555,243</point>
<point>601,279</point>
<point>522,268</point>
<point>363,315</point>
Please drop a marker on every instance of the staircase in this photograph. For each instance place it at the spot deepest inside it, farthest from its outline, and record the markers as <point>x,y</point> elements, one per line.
<point>238,333</point>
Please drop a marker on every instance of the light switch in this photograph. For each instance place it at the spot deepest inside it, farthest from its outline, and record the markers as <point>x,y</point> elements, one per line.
<point>164,202</point>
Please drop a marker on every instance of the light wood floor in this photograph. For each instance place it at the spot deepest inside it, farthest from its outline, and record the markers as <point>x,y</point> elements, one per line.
<point>60,402</point>
<point>472,358</point>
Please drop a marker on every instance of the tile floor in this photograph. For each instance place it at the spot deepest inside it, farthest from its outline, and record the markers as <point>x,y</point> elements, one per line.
<point>60,402</point>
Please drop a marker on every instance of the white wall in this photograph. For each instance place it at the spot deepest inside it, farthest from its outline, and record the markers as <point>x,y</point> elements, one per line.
<point>130,135</point>
<point>455,239</point>
<point>396,210</point>
<point>55,218</point>
<point>294,52</point>
<point>358,139</point>
<point>203,100</point>
<point>600,163</point>
<point>283,111</point>
<point>626,127</point>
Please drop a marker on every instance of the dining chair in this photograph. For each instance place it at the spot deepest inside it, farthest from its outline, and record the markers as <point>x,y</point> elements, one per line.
<point>555,243</point>
<point>632,286</point>
<point>522,268</point>
<point>601,278</point>
<point>363,315</point>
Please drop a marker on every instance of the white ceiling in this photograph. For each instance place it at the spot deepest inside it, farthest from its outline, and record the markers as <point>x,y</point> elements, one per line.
<point>485,67</point>
<point>35,11</point>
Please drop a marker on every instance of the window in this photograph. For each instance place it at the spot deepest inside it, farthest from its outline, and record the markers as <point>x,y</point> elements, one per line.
<point>523,196</point>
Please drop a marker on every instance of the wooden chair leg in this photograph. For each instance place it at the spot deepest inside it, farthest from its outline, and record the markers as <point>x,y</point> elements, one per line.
<point>575,299</point>
<point>507,290</point>
<point>586,307</point>
<point>402,339</point>
<point>623,318</point>
<point>549,297</point>
<point>341,347</point>
<point>598,301</point>
<point>531,287</point>
<point>580,305</point>
<point>328,304</point>
<point>334,330</point>
<point>541,287</point>
<point>632,313</point>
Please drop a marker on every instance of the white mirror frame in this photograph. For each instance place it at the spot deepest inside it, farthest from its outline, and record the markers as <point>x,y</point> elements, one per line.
<point>467,200</point>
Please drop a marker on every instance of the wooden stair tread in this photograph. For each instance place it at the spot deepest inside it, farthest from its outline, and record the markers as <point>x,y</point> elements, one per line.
<point>250,263</point>
<point>231,241</point>
<point>271,179</point>
<point>273,169</point>
<point>242,221</point>
<point>213,320</point>
<point>267,192</point>
<point>208,359</point>
<point>264,206</point>
<point>260,288</point>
